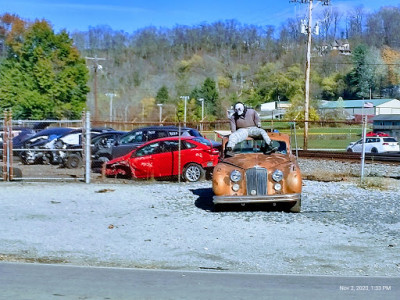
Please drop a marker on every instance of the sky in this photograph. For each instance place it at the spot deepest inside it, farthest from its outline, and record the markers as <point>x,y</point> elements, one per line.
<point>129,16</point>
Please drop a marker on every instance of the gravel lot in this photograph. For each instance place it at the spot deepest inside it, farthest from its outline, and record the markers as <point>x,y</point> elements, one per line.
<point>343,229</point>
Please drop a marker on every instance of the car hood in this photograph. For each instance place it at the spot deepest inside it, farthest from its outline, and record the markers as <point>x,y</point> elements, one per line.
<point>246,161</point>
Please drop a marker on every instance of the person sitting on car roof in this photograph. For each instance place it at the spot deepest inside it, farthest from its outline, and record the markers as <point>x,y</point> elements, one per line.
<point>246,122</point>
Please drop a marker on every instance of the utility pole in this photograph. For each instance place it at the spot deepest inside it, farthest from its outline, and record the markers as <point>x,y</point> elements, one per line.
<point>307,29</point>
<point>185,98</point>
<point>96,67</point>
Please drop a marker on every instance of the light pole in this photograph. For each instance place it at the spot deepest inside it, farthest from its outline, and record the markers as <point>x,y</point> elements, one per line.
<point>160,106</point>
<point>111,95</point>
<point>185,98</point>
<point>202,113</point>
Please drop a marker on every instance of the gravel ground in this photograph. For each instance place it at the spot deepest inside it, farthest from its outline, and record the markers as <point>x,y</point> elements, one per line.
<point>343,229</point>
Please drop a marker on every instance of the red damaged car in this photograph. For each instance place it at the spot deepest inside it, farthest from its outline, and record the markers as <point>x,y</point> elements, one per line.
<point>163,158</point>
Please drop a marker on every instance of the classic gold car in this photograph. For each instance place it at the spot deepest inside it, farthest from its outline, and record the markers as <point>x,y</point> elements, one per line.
<point>252,175</point>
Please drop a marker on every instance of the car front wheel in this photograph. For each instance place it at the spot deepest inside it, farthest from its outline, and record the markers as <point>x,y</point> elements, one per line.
<point>374,150</point>
<point>193,172</point>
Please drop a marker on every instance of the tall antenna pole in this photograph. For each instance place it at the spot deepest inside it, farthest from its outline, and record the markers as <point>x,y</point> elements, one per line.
<point>308,67</point>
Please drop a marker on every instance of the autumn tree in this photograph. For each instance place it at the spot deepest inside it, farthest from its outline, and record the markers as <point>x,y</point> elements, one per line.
<point>43,75</point>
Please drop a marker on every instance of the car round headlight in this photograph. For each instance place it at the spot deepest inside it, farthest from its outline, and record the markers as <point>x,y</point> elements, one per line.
<point>277,175</point>
<point>235,187</point>
<point>277,186</point>
<point>236,176</point>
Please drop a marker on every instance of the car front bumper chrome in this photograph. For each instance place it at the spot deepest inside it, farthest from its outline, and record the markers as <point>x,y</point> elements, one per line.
<point>257,199</point>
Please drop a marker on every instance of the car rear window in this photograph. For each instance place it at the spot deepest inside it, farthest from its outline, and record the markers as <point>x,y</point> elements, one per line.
<point>203,141</point>
<point>389,140</point>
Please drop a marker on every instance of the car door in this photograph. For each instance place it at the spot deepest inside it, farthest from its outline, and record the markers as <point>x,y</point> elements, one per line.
<point>372,145</point>
<point>182,157</point>
<point>152,160</point>
<point>357,147</point>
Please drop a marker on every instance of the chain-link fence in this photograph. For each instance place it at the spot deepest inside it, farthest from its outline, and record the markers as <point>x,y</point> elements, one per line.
<point>33,150</point>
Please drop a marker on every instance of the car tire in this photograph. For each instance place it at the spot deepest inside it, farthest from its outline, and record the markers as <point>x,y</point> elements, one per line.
<point>349,150</point>
<point>374,150</point>
<point>193,172</point>
<point>74,161</point>
<point>296,208</point>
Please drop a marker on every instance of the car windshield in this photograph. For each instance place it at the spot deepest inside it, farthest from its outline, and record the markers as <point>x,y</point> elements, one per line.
<point>258,146</point>
<point>133,137</point>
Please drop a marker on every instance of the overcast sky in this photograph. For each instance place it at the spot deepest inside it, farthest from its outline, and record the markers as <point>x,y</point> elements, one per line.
<point>129,16</point>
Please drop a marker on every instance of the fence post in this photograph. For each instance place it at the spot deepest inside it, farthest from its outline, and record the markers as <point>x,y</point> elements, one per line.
<point>87,151</point>
<point>7,146</point>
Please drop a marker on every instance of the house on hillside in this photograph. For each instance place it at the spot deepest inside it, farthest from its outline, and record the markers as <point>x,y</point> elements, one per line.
<point>343,47</point>
<point>354,109</point>
<point>388,124</point>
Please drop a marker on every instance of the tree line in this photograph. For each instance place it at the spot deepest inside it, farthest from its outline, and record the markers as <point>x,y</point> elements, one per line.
<point>222,63</point>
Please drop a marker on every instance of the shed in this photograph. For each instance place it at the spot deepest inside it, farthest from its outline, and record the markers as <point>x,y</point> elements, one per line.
<point>362,107</point>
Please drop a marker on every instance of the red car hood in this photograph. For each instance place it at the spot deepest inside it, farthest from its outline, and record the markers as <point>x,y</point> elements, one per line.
<point>119,159</point>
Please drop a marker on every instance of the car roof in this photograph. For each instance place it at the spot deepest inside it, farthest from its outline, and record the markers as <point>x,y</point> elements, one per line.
<point>161,128</point>
<point>111,132</point>
<point>171,138</point>
<point>54,130</point>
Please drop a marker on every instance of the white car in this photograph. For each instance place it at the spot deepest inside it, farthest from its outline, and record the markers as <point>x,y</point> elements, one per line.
<point>375,145</point>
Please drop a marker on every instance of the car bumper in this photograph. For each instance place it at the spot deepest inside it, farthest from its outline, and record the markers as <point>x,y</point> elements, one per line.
<point>257,199</point>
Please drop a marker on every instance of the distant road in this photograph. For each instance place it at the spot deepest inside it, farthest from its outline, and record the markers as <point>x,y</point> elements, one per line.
<point>41,282</point>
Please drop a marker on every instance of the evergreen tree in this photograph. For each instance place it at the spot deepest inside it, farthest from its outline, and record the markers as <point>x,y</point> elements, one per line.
<point>211,97</point>
<point>162,95</point>
<point>43,75</point>
<point>361,78</point>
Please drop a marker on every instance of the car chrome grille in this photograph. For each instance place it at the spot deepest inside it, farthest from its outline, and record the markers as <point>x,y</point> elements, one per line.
<point>256,179</point>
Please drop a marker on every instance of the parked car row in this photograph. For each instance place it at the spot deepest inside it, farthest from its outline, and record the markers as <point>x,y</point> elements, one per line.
<point>250,174</point>
<point>131,140</point>
<point>63,146</point>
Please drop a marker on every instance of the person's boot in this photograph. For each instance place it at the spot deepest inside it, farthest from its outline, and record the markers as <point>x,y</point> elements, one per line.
<point>228,151</point>
<point>269,148</point>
